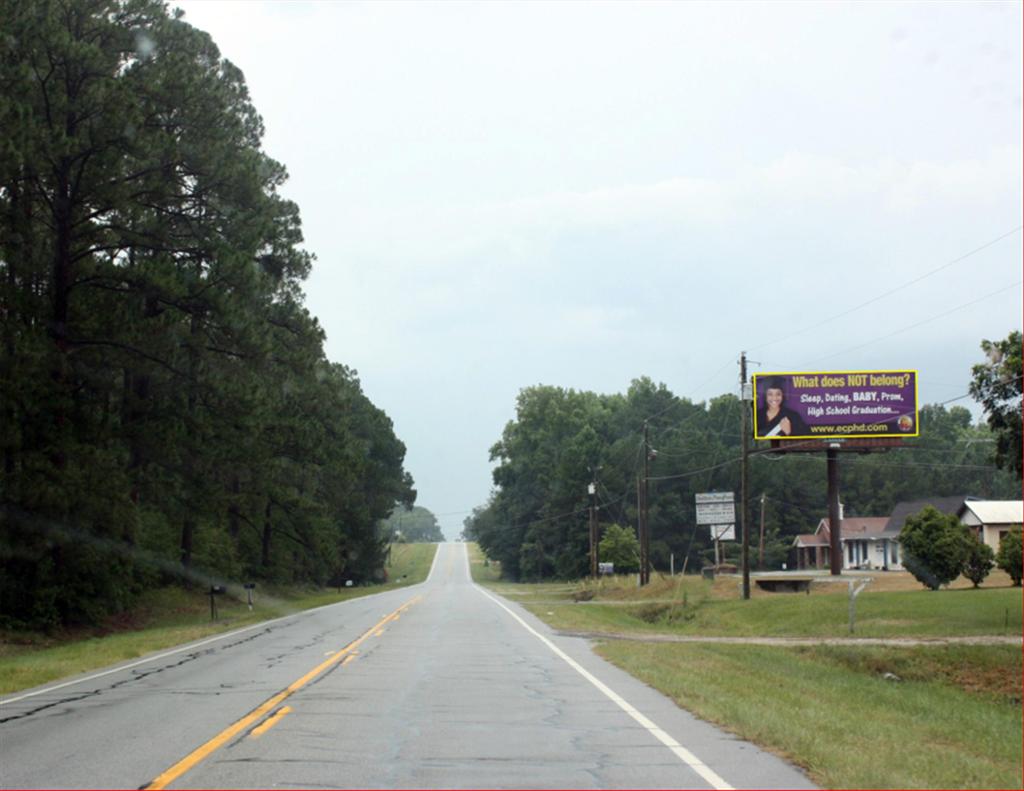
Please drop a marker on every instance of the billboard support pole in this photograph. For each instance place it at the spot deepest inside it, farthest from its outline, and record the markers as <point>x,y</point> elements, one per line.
<point>834,526</point>
<point>744,431</point>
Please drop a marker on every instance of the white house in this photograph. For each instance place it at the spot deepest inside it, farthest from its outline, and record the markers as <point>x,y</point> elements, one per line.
<point>864,541</point>
<point>992,519</point>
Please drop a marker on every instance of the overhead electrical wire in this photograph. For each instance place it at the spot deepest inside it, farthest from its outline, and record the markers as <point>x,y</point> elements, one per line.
<point>891,291</point>
<point>936,317</point>
<point>676,400</point>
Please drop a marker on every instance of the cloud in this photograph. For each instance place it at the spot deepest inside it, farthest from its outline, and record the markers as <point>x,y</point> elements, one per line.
<point>520,231</point>
<point>973,183</point>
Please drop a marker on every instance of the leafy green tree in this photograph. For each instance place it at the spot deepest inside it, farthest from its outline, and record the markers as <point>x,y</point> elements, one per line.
<point>935,547</point>
<point>1010,556</point>
<point>168,413</point>
<point>979,561</point>
<point>620,546</point>
<point>413,525</point>
<point>997,385</point>
<point>561,438</point>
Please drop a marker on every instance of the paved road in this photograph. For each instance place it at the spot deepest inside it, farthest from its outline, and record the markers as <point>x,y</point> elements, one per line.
<point>438,685</point>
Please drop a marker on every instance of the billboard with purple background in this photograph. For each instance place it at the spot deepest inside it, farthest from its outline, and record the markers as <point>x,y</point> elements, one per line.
<point>835,404</point>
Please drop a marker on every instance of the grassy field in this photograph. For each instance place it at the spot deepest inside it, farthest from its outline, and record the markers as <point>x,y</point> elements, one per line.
<point>694,606</point>
<point>853,716</point>
<point>173,616</point>
<point>953,720</point>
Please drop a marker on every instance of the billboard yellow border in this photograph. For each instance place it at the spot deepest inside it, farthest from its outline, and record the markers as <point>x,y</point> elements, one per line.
<point>917,420</point>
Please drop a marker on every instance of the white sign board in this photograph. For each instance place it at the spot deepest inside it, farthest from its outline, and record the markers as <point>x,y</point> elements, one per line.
<point>723,532</point>
<point>715,508</point>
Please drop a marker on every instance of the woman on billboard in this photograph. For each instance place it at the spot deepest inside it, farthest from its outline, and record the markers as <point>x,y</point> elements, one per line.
<point>774,418</point>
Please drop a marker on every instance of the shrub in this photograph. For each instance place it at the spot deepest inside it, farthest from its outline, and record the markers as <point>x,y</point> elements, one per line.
<point>1009,558</point>
<point>979,562</point>
<point>935,547</point>
<point>621,547</point>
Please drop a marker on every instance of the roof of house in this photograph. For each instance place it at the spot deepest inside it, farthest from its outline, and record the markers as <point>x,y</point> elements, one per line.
<point>811,540</point>
<point>945,505</point>
<point>996,512</point>
<point>849,527</point>
<point>857,526</point>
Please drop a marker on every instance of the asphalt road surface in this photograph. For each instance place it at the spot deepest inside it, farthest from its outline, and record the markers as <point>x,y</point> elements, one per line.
<point>440,685</point>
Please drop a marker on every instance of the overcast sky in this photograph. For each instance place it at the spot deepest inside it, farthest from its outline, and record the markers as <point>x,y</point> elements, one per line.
<point>578,194</point>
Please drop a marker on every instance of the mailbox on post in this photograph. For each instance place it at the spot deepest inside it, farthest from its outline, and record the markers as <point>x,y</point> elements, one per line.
<point>215,591</point>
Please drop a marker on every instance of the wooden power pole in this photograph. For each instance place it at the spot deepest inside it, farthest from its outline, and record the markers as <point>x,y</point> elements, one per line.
<point>745,438</point>
<point>645,533</point>
<point>760,549</point>
<point>592,490</point>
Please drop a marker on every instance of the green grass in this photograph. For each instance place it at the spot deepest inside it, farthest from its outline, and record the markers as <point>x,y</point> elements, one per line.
<point>691,607</point>
<point>953,721</point>
<point>484,571</point>
<point>173,616</point>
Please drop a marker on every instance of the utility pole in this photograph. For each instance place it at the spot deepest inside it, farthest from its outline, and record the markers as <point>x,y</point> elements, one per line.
<point>640,525</point>
<point>760,552</point>
<point>645,536</point>
<point>592,490</point>
<point>745,399</point>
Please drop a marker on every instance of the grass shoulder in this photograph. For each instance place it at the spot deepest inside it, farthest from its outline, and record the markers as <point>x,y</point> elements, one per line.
<point>853,716</point>
<point>483,570</point>
<point>173,616</point>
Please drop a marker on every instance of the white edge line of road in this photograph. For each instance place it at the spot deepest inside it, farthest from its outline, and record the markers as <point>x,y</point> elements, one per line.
<point>684,755</point>
<point>194,646</point>
<point>433,566</point>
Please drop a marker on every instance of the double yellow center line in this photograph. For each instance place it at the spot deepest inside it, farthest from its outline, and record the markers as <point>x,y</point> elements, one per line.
<point>265,708</point>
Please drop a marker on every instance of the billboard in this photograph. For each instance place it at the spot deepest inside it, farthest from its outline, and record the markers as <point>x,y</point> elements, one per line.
<point>835,404</point>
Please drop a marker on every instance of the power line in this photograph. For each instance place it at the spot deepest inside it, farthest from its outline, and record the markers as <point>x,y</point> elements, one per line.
<point>690,398</point>
<point>918,324</point>
<point>891,291</point>
<point>938,464</point>
<point>971,395</point>
<point>697,472</point>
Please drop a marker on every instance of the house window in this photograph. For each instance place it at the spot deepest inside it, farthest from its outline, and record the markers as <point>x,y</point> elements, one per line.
<point>895,557</point>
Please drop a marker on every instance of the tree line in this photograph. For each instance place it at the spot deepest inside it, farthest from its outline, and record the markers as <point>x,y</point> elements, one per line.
<point>415,525</point>
<point>536,520</point>
<point>168,411</point>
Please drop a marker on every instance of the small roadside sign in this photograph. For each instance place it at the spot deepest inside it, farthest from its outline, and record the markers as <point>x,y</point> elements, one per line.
<point>715,508</point>
<point>723,532</point>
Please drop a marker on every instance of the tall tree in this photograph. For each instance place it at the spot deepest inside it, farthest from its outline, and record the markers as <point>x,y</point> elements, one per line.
<point>535,522</point>
<point>167,409</point>
<point>998,385</point>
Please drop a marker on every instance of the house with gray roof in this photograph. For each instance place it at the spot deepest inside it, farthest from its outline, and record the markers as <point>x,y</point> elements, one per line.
<point>873,542</point>
<point>906,508</point>
<point>992,519</point>
<point>862,540</point>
